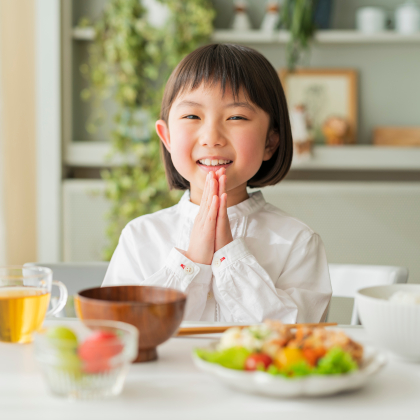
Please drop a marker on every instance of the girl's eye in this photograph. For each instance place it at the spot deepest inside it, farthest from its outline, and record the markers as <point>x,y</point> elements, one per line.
<point>237,117</point>
<point>191,117</point>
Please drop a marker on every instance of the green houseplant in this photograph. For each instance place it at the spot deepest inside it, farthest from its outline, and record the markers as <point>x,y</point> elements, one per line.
<point>130,60</point>
<point>298,18</point>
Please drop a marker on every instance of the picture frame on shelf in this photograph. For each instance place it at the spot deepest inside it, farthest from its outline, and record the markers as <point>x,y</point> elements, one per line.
<point>330,99</point>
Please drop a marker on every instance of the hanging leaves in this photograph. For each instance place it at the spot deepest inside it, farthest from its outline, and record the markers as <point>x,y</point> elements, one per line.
<point>297,18</point>
<point>130,61</point>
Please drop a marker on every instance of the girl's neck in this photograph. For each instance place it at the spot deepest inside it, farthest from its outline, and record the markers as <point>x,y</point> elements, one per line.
<point>234,196</point>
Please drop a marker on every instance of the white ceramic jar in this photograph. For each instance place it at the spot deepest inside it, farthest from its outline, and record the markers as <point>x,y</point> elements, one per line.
<point>371,19</point>
<point>407,18</point>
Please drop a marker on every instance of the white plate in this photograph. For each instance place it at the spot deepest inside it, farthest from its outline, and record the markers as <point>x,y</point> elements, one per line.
<point>278,386</point>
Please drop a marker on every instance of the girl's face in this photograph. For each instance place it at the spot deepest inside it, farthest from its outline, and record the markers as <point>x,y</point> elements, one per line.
<point>205,126</point>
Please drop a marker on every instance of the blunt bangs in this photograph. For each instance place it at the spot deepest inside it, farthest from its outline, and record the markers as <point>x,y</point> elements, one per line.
<point>240,69</point>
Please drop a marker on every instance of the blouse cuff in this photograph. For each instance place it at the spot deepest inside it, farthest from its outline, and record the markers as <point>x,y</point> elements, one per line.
<point>187,270</point>
<point>230,253</point>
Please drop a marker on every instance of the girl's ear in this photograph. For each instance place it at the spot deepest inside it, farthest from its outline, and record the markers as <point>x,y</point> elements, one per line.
<point>163,132</point>
<point>271,145</point>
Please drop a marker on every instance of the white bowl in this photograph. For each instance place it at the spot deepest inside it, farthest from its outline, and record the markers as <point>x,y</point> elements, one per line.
<point>394,326</point>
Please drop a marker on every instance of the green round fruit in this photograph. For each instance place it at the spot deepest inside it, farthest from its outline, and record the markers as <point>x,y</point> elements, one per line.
<point>61,333</point>
<point>64,340</point>
<point>70,364</point>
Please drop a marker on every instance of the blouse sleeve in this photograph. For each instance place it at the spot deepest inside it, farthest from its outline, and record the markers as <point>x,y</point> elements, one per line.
<point>246,293</point>
<point>177,272</point>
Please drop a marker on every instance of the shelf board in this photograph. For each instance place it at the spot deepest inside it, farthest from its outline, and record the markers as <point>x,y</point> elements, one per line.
<point>360,157</point>
<point>281,37</point>
<point>90,154</point>
<point>83,34</point>
<point>321,37</point>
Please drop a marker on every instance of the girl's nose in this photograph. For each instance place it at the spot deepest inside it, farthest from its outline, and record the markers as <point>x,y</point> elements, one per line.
<point>212,137</point>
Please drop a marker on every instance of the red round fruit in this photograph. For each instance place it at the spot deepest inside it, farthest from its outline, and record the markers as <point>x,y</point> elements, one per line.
<point>97,349</point>
<point>257,360</point>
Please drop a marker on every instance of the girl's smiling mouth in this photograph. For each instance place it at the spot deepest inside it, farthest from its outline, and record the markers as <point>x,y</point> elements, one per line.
<point>213,163</point>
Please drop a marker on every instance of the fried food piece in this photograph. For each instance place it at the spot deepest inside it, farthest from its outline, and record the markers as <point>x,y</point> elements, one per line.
<point>315,342</point>
<point>283,331</point>
<point>328,339</point>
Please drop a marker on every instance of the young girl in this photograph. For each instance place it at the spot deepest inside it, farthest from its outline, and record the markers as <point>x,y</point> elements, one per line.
<point>225,126</point>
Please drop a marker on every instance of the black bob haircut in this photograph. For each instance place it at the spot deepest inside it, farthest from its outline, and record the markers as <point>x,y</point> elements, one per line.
<point>237,67</point>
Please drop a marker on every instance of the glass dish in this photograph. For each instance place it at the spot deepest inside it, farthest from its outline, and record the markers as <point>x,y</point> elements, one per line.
<point>69,375</point>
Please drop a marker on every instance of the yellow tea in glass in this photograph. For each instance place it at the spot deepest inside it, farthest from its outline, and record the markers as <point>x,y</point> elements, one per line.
<point>24,298</point>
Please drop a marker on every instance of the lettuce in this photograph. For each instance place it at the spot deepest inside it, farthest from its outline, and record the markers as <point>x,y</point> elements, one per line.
<point>335,362</point>
<point>300,369</point>
<point>232,358</point>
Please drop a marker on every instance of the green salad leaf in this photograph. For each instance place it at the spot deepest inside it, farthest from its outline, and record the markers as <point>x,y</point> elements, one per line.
<point>335,362</point>
<point>300,369</point>
<point>232,358</point>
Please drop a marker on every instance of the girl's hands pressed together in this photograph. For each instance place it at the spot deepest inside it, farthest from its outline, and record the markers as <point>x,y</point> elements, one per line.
<point>223,232</point>
<point>211,230</point>
<point>203,235</point>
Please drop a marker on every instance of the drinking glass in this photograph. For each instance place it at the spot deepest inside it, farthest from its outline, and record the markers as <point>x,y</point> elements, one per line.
<point>25,293</point>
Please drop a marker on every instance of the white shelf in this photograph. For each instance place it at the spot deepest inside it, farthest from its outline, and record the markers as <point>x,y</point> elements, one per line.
<point>281,37</point>
<point>83,34</point>
<point>321,37</point>
<point>362,157</point>
<point>92,154</point>
<point>89,154</point>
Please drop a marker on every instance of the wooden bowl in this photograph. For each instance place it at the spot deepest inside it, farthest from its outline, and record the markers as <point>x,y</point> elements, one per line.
<point>157,312</point>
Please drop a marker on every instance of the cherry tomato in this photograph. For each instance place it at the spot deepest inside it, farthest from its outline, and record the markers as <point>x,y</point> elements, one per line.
<point>97,349</point>
<point>256,360</point>
<point>287,357</point>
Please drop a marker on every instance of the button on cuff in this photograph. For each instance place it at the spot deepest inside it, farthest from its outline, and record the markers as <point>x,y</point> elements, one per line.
<point>189,269</point>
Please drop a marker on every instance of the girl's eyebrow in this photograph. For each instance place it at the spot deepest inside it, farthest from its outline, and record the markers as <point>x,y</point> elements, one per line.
<point>187,103</point>
<point>241,104</point>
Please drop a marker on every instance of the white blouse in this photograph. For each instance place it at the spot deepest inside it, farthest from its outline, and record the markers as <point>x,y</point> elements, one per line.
<point>275,267</point>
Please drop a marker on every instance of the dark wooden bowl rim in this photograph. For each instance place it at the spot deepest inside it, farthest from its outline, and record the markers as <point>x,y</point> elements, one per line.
<point>181,298</point>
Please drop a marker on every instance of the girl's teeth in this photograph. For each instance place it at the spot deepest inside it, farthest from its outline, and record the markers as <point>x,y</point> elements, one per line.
<point>213,162</point>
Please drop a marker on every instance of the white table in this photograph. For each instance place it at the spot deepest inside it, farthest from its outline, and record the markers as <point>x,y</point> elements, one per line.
<point>172,388</point>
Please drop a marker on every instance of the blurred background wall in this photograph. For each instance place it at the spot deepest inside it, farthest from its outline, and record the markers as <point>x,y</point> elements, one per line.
<point>18,148</point>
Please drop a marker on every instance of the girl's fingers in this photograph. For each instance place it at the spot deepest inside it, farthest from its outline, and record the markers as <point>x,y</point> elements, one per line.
<point>220,172</point>
<point>206,187</point>
<point>207,190</point>
<point>223,231</point>
<point>222,185</point>
<point>212,214</point>
<point>213,190</point>
<point>223,206</point>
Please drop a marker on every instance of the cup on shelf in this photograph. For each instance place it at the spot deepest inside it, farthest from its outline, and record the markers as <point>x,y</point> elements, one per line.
<point>371,20</point>
<point>25,293</point>
<point>407,18</point>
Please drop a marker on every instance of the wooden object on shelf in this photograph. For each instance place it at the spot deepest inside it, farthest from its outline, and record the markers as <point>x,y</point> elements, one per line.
<point>337,131</point>
<point>157,312</point>
<point>325,93</point>
<point>396,136</point>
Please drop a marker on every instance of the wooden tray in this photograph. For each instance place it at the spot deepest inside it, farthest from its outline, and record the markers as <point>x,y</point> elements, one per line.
<point>396,136</point>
